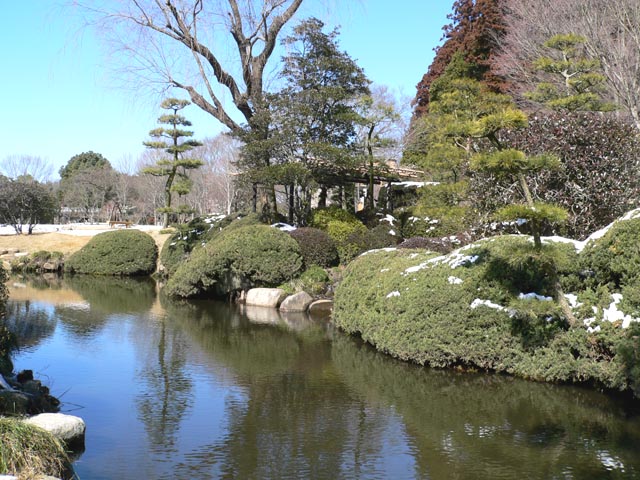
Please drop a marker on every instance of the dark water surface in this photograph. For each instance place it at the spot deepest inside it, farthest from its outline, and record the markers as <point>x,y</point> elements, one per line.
<point>204,390</point>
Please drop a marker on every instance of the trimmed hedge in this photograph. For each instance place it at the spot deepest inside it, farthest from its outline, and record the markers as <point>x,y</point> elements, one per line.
<point>121,252</point>
<point>236,259</point>
<point>614,260</point>
<point>316,246</point>
<point>177,249</point>
<point>418,307</point>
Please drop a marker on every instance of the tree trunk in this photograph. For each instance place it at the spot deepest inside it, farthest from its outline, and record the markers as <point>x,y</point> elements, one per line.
<point>291,198</point>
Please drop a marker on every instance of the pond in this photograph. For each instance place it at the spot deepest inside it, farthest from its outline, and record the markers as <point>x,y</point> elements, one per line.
<point>205,390</point>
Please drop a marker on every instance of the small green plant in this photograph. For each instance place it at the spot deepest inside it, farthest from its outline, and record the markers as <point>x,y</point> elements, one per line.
<point>122,252</point>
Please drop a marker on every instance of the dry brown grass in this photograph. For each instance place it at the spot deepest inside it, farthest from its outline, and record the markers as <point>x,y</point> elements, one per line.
<point>58,242</point>
<point>30,452</point>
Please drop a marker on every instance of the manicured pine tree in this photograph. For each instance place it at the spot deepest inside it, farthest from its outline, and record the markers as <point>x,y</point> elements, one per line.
<point>175,167</point>
<point>574,81</point>
<point>463,134</point>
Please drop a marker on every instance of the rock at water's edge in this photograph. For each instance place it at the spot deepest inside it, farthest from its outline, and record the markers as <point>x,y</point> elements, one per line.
<point>265,297</point>
<point>298,302</point>
<point>68,428</point>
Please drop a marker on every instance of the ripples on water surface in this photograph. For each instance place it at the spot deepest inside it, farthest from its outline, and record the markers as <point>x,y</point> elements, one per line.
<point>204,391</point>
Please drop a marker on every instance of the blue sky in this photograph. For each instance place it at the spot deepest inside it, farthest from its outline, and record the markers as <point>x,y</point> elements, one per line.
<point>59,98</point>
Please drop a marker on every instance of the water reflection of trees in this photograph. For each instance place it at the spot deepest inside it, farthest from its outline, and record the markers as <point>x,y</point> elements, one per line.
<point>29,322</point>
<point>112,295</point>
<point>485,426</point>
<point>299,419</point>
<point>167,387</point>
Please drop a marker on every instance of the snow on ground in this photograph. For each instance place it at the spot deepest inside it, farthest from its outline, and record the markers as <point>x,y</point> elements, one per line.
<point>595,235</point>
<point>77,229</point>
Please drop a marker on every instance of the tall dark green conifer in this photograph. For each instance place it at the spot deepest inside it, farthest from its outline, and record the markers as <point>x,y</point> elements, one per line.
<point>174,167</point>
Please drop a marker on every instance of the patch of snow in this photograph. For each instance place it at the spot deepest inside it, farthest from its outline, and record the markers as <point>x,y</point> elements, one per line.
<point>384,270</point>
<point>573,300</point>
<point>593,329</point>
<point>285,227</point>
<point>21,254</point>
<point>487,303</point>
<point>392,232</point>
<point>612,314</point>
<point>376,250</point>
<point>577,244</point>
<point>603,231</point>
<point>395,293</point>
<point>454,280</point>
<point>414,184</point>
<point>532,296</point>
<point>388,218</point>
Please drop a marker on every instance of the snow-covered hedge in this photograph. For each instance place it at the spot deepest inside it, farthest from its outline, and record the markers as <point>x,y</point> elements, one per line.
<point>472,309</point>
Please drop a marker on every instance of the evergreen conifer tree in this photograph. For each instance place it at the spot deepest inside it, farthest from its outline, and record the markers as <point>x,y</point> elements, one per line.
<point>175,167</point>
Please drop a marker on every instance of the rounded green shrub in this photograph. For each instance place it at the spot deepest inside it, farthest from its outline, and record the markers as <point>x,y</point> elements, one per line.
<point>237,259</point>
<point>316,246</point>
<point>350,238</point>
<point>457,310</point>
<point>178,247</point>
<point>121,252</point>
<point>323,216</point>
<point>381,236</point>
<point>614,259</point>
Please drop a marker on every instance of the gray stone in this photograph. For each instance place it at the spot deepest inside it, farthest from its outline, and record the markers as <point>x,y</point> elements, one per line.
<point>67,428</point>
<point>49,267</point>
<point>265,297</point>
<point>298,302</point>
<point>321,307</point>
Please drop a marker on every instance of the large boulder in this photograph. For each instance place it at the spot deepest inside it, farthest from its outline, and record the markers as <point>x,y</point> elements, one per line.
<point>68,428</point>
<point>298,302</point>
<point>265,297</point>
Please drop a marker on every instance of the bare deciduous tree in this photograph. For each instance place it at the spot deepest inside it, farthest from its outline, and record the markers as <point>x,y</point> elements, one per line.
<point>190,45</point>
<point>14,166</point>
<point>214,188</point>
<point>612,33</point>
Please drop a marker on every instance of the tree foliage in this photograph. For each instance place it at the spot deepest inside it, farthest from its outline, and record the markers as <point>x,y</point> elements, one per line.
<point>578,82</point>
<point>87,184</point>
<point>475,29</point>
<point>598,181</point>
<point>312,121</point>
<point>24,201</point>
<point>610,32</point>
<point>175,167</point>
<point>83,161</point>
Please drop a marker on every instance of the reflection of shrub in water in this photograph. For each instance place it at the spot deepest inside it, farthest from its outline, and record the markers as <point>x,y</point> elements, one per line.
<point>463,408</point>
<point>115,295</point>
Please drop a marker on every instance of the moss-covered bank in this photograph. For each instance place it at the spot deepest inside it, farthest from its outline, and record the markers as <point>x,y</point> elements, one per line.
<point>463,310</point>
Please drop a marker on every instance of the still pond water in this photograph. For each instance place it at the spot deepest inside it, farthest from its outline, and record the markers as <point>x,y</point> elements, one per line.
<point>206,390</point>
